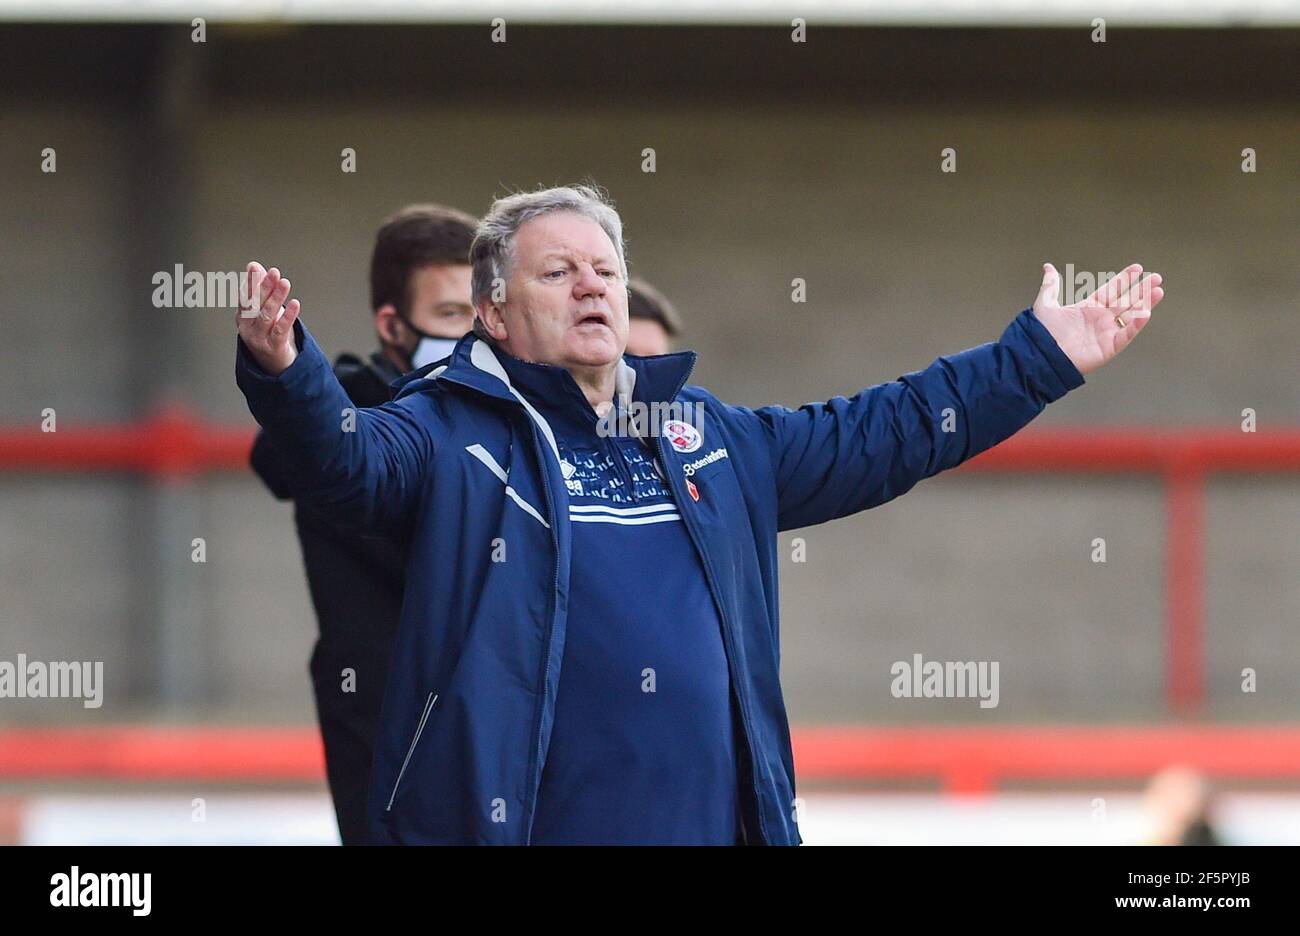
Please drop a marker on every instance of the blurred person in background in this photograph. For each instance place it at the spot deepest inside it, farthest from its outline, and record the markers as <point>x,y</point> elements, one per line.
<point>652,320</point>
<point>588,650</point>
<point>420,297</point>
<point>1180,806</point>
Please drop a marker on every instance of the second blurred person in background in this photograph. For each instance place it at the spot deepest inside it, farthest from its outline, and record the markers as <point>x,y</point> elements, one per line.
<point>420,297</point>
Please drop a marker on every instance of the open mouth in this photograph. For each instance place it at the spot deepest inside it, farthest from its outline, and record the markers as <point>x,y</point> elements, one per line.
<point>591,318</point>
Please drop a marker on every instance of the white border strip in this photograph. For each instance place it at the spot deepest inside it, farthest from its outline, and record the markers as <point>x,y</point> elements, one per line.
<point>752,12</point>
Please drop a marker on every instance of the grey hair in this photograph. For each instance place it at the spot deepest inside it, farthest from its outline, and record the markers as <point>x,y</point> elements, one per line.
<point>493,249</point>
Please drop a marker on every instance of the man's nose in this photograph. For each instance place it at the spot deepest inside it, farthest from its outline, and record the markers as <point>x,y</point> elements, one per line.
<point>590,283</point>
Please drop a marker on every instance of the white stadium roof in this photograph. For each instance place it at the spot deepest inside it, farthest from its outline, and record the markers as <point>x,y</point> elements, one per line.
<point>749,12</point>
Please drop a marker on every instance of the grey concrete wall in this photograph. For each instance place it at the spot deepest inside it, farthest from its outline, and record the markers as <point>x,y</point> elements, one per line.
<point>902,263</point>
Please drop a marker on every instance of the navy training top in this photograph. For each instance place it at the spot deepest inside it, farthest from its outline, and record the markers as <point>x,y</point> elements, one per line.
<point>643,747</point>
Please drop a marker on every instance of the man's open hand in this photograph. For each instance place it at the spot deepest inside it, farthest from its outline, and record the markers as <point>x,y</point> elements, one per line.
<point>1089,332</point>
<point>265,322</point>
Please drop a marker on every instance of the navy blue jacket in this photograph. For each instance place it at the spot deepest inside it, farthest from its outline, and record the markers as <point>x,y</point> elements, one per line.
<point>464,472</point>
<point>356,585</point>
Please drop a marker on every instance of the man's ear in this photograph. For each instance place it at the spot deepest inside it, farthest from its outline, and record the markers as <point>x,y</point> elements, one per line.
<point>388,324</point>
<point>493,319</point>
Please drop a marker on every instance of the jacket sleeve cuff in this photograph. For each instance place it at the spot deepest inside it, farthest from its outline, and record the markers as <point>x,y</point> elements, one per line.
<point>1056,376</point>
<point>255,381</point>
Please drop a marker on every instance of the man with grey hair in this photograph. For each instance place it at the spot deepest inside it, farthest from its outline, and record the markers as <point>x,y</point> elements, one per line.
<point>589,644</point>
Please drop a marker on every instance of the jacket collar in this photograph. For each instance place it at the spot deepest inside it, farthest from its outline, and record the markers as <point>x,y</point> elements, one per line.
<point>476,364</point>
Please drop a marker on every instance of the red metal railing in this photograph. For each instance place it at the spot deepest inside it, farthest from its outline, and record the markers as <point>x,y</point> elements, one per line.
<point>172,445</point>
<point>1183,458</point>
<point>965,760</point>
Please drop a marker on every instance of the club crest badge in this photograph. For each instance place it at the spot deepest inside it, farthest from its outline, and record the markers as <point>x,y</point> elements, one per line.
<point>682,436</point>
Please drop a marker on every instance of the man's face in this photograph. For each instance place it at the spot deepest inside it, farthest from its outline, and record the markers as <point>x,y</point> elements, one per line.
<point>646,338</point>
<point>566,301</point>
<point>440,300</point>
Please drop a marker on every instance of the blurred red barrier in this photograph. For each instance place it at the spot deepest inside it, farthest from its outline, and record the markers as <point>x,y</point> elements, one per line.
<point>168,444</point>
<point>230,755</point>
<point>975,760</point>
<point>962,760</point>
<point>1183,457</point>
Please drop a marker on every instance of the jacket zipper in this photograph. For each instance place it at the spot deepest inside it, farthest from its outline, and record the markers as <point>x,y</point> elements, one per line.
<point>731,653</point>
<point>689,519</point>
<point>550,633</point>
<point>424,716</point>
<point>535,757</point>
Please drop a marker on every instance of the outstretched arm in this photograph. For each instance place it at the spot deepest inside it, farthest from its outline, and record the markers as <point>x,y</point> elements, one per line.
<point>848,454</point>
<point>357,466</point>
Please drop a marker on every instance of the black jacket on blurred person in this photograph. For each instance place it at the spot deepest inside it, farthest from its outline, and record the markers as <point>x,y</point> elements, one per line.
<point>356,585</point>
